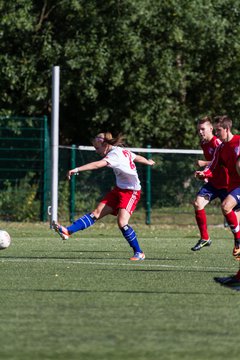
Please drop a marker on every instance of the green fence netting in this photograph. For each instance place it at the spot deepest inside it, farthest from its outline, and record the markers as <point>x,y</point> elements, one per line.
<point>25,168</point>
<point>168,188</point>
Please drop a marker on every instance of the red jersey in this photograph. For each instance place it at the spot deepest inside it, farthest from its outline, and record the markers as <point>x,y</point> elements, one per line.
<point>219,178</point>
<point>226,155</point>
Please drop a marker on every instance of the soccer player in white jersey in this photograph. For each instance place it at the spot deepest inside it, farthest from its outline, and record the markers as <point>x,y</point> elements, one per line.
<point>122,200</point>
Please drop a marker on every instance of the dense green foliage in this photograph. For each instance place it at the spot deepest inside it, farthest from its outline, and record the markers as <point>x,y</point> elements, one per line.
<point>145,68</point>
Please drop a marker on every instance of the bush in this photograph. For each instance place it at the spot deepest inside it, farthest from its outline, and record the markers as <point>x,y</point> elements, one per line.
<point>19,201</point>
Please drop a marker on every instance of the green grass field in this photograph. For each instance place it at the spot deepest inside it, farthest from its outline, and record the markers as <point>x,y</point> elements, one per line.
<point>83,299</point>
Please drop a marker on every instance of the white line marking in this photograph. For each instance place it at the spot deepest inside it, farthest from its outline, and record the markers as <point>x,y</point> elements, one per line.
<point>132,264</point>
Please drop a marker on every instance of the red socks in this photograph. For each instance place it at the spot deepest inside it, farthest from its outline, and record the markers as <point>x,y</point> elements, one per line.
<point>201,219</point>
<point>231,218</point>
<point>233,223</point>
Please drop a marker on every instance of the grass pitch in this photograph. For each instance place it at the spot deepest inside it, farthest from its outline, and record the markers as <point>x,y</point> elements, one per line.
<point>83,299</point>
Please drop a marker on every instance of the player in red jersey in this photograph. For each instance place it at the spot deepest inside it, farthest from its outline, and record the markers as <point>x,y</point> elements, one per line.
<point>122,200</point>
<point>216,187</point>
<point>227,154</point>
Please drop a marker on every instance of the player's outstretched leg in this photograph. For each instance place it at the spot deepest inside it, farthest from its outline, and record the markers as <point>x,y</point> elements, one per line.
<point>81,224</point>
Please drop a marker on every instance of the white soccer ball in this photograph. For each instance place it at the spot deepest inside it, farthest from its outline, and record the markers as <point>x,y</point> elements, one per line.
<point>5,239</point>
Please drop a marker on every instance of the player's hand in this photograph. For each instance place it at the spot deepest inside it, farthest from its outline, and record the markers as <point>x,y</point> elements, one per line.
<point>72,172</point>
<point>151,162</point>
<point>199,175</point>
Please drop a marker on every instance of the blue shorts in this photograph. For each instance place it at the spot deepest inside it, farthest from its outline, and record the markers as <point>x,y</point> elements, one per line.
<point>236,194</point>
<point>210,192</point>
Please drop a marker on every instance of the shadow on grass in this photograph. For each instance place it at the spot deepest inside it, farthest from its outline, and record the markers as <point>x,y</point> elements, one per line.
<point>87,291</point>
<point>229,282</point>
<point>162,270</point>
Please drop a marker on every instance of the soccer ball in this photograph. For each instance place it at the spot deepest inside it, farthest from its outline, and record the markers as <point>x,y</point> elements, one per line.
<point>5,239</point>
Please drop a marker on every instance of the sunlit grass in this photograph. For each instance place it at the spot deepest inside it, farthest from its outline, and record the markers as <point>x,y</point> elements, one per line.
<point>83,298</point>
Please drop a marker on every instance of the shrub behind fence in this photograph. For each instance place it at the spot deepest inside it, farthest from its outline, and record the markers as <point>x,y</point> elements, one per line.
<point>25,168</point>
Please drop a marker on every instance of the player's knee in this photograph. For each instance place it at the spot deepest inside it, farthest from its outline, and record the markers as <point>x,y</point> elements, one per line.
<point>122,223</point>
<point>197,204</point>
<point>96,214</point>
<point>226,207</point>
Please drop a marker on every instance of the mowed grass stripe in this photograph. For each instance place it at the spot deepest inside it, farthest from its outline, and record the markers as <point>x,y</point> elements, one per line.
<point>117,263</point>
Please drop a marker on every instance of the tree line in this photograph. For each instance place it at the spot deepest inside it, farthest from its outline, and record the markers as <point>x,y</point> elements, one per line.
<point>146,68</point>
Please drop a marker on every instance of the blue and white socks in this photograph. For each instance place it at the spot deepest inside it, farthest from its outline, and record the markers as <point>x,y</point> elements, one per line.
<point>82,223</point>
<point>131,238</point>
<point>89,219</point>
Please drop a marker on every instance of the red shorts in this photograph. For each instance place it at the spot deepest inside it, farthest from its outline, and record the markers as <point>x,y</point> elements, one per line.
<point>122,199</point>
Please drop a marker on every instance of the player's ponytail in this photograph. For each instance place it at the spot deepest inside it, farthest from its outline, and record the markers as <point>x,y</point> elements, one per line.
<point>109,139</point>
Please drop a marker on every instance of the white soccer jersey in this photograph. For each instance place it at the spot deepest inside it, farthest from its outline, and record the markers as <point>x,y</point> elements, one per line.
<point>121,161</point>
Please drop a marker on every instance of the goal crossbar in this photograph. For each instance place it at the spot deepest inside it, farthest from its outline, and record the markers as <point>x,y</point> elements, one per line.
<point>142,150</point>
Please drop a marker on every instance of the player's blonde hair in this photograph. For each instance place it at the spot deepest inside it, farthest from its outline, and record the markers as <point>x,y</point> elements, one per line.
<point>107,137</point>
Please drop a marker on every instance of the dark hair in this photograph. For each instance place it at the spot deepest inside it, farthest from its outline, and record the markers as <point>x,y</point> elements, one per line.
<point>109,139</point>
<point>224,121</point>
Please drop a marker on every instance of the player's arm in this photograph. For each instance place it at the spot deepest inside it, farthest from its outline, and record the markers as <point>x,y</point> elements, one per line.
<point>142,160</point>
<point>208,171</point>
<point>203,163</point>
<point>204,174</point>
<point>90,166</point>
